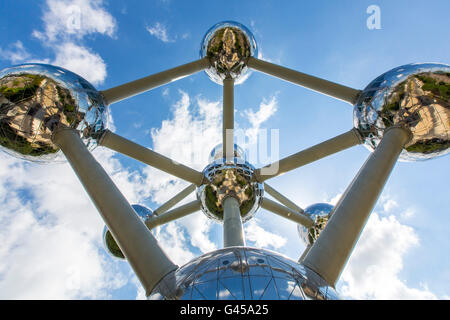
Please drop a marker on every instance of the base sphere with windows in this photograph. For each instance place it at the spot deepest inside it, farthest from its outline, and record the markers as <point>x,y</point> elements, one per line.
<point>35,99</point>
<point>244,273</point>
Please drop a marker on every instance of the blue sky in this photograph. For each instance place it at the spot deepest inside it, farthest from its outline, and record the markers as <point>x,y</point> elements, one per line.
<point>50,231</point>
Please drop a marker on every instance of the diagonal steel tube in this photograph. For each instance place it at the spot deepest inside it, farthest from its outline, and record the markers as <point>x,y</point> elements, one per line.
<point>228,120</point>
<point>150,157</point>
<point>173,214</point>
<point>174,200</point>
<point>278,196</point>
<point>141,249</point>
<point>288,213</point>
<point>314,153</point>
<point>329,254</point>
<point>132,88</point>
<point>329,88</point>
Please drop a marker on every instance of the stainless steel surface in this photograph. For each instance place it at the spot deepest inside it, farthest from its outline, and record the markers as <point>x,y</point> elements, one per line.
<point>330,252</point>
<point>150,157</point>
<point>110,244</point>
<point>229,179</point>
<point>233,231</point>
<point>228,118</point>
<point>217,153</point>
<point>244,273</point>
<point>141,249</point>
<point>281,198</point>
<point>175,199</point>
<point>171,215</point>
<point>416,96</point>
<point>329,88</point>
<point>132,88</point>
<point>320,214</point>
<point>288,213</point>
<point>228,45</point>
<point>35,98</point>
<point>314,153</point>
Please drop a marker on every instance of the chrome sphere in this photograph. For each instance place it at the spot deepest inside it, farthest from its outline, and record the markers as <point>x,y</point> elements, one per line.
<point>415,96</point>
<point>35,98</point>
<point>230,179</point>
<point>243,273</point>
<point>228,45</point>
<point>217,153</point>
<point>110,243</point>
<point>320,213</point>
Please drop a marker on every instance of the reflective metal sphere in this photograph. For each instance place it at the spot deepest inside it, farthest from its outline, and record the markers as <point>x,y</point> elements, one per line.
<point>230,179</point>
<point>320,214</point>
<point>243,273</point>
<point>110,243</point>
<point>416,96</point>
<point>228,45</point>
<point>35,98</point>
<point>217,153</point>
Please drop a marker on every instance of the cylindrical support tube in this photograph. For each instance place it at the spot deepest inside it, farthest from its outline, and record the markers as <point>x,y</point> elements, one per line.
<point>278,196</point>
<point>288,213</point>
<point>233,231</point>
<point>173,201</point>
<point>228,119</point>
<point>173,214</point>
<point>314,153</point>
<point>330,252</point>
<point>329,88</point>
<point>150,157</point>
<point>141,249</point>
<point>308,247</point>
<point>144,84</point>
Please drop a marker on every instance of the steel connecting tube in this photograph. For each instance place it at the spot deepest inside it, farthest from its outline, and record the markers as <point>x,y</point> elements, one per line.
<point>144,84</point>
<point>329,254</point>
<point>233,231</point>
<point>141,249</point>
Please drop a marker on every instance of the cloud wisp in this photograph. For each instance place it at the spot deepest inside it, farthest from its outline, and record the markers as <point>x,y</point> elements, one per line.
<point>65,24</point>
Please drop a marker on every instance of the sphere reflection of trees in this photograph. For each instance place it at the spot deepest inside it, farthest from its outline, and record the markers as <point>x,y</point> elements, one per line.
<point>35,99</point>
<point>415,96</point>
<point>228,45</point>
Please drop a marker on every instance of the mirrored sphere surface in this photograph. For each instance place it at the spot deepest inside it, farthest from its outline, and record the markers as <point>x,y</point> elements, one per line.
<point>243,273</point>
<point>217,152</point>
<point>228,45</point>
<point>320,214</point>
<point>230,179</point>
<point>416,96</point>
<point>35,98</point>
<point>110,243</point>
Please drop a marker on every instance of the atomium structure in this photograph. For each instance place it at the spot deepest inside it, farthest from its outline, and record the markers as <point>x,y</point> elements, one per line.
<point>48,112</point>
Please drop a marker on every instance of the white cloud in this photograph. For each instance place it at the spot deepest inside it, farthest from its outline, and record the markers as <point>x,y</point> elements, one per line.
<point>15,53</point>
<point>389,205</point>
<point>373,270</point>
<point>80,60</point>
<point>75,19</point>
<point>51,232</point>
<point>262,238</point>
<point>160,32</point>
<point>66,23</point>
<point>267,108</point>
<point>187,138</point>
